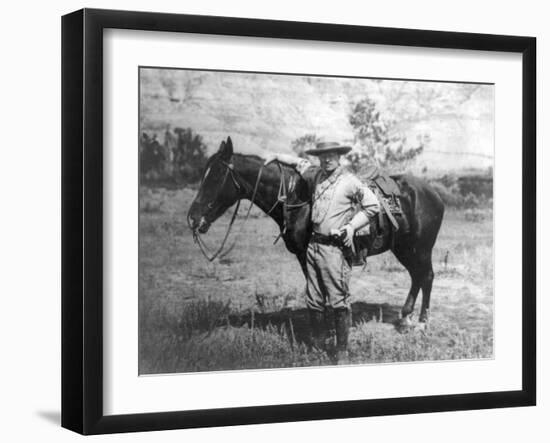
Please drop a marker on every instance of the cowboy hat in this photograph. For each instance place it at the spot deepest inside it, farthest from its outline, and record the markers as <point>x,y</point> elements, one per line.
<point>327,147</point>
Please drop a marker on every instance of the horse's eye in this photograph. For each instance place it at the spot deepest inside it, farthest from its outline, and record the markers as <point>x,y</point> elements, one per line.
<point>210,205</point>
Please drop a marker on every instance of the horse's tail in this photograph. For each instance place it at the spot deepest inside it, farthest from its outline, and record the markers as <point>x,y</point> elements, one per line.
<point>436,209</point>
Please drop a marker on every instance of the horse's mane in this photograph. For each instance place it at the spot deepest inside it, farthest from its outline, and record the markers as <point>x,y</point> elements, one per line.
<point>260,161</point>
<point>249,156</point>
<point>257,161</point>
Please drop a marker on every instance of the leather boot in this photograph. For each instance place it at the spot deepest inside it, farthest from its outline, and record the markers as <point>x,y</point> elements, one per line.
<point>342,322</point>
<point>318,329</point>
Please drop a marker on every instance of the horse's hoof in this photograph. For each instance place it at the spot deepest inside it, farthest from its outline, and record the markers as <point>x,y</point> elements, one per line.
<point>422,326</point>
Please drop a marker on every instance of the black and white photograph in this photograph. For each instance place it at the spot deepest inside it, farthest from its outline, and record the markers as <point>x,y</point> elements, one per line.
<point>275,221</point>
<point>298,220</point>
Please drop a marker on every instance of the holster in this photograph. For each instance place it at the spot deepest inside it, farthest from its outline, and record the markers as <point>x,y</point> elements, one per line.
<point>358,258</point>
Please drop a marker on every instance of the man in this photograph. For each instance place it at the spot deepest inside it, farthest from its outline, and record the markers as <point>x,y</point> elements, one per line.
<point>341,206</point>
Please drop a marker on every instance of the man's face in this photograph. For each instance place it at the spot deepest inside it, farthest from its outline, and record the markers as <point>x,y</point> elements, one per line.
<point>329,162</point>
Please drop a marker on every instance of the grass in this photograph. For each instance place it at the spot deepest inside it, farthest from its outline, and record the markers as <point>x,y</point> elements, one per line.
<point>217,346</point>
<point>200,316</point>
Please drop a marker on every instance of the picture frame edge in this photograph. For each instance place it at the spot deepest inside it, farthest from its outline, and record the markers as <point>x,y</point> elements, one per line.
<point>82,237</point>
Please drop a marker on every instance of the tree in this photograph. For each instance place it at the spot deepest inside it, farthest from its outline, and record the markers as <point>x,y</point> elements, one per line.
<point>303,143</point>
<point>151,156</point>
<point>189,155</point>
<point>376,141</point>
<point>180,160</point>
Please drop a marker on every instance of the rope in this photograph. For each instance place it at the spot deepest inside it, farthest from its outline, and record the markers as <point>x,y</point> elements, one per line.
<point>196,236</point>
<point>204,248</point>
<point>252,199</point>
<point>220,252</point>
<point>281,199</point>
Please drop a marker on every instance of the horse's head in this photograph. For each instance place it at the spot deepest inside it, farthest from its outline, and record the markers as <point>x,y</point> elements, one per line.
<point>218,191</point>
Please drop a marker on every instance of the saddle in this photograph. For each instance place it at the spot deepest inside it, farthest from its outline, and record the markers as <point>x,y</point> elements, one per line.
<point>387,191</point>
<point>381,230</point>
<point>387,185</point>
<point>380,233</point>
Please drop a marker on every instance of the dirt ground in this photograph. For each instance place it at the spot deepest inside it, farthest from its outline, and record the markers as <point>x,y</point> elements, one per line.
<point>247,310</point>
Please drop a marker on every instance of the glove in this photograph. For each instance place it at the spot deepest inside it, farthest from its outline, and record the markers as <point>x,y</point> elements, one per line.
<point>348,239</point>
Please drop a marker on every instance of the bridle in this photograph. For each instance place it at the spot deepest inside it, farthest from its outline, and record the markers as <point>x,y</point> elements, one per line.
<point>282,198</point>
<point>229,172</point>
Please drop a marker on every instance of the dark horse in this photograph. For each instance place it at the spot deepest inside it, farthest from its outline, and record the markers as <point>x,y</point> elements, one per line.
<point>230,177</point>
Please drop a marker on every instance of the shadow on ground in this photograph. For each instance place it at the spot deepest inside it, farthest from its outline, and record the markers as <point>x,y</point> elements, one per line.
<point>296,322</point>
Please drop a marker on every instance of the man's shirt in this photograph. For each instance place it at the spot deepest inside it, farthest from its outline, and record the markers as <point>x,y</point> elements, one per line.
<point>336,198</point>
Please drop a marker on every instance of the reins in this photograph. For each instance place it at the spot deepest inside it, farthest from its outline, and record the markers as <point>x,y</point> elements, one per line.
<point>282,197</point>
<point>220,251</point>
<point>202,246</point>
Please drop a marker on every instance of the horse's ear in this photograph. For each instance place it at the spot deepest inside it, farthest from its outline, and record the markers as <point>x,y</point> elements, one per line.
<point>222,147</point>
<point>226,149</point>
<point>229,144</point>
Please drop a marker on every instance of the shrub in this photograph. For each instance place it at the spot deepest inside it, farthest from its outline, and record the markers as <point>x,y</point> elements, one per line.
<point>301,144</point>
<point>179,160</point>
<point>189,154</point>
<point>474,215</point>
<point>457,192</point>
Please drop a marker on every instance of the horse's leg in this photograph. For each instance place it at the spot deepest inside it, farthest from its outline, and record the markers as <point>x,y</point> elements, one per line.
<point>427,282</point>
<point>408,307</point>
<point>419,267</point>
<point>301,256</point>
<point>424,209</point>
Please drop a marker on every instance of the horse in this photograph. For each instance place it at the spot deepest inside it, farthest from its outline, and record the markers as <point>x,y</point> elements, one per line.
<point>230,177</point>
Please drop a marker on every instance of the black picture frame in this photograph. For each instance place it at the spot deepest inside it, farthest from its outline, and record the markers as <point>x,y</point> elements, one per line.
<point>82,219</point>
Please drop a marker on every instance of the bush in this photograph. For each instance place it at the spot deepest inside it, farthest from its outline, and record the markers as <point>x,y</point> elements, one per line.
<point>179,160</point>
<point>457,192</point>
<point>301,144</point>
<point>151,156</point>
<point>474,215</point>
<point>189,155</point>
